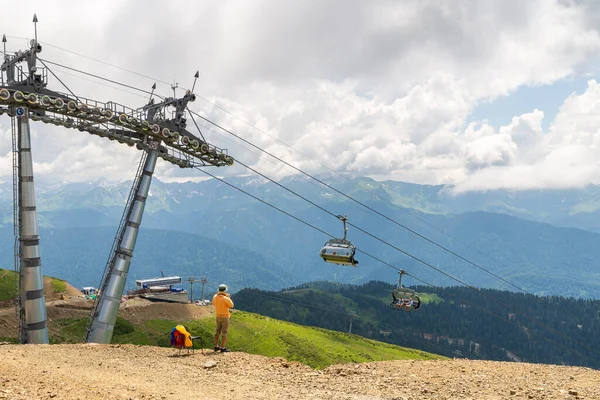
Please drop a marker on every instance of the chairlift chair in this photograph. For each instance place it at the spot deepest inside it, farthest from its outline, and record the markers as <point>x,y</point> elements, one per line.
<point>339,251</point>
<point>404,299</point>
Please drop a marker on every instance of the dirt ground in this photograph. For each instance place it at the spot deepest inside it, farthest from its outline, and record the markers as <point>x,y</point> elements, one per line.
<point>90,371</point>
<point>85,371</point>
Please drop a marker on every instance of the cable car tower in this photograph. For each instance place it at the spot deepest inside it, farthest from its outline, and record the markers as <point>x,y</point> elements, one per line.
<point>157,129</point>
<point>193,280</point>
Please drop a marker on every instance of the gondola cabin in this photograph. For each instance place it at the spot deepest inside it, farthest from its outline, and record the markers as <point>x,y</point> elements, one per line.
<point>339,251</point>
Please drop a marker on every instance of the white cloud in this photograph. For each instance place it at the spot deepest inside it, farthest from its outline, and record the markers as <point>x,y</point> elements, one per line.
<point>380,88</point>
<point>565,156</point>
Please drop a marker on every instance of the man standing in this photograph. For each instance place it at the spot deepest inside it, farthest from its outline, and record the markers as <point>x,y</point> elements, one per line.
<point>222,304</point>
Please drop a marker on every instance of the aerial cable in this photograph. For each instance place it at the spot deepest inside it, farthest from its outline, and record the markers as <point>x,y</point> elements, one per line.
<point>355,226</point>
<point>358,228</point>
<point>356,201</point>
<point>197,127</point>
<point>248,149</point>
<point>348,179</point>
<point>386,243</point>
<point>287,213</point>
<point>105,63</point>
<point>306,156</point>
<point>103,78</point>
<point>347,196</point>
<point>312,177</point>
<point>100,83</point>
<point>208,128</point>
<point>297,169</point>
<point>44,64</point>
<point>367,207</point>
<point>263,201</point>
<point>325,184</point>
<point>370,191</point>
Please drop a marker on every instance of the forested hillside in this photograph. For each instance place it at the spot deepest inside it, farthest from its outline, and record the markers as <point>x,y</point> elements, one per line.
<point>454,321</point>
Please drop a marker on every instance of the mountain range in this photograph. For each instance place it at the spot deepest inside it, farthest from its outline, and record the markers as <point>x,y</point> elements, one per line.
<point>543,242</point>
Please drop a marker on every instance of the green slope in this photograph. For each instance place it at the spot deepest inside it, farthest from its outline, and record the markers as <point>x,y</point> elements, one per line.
<point>456,321</point>
<point>256,334</point>
<point>7,284</point>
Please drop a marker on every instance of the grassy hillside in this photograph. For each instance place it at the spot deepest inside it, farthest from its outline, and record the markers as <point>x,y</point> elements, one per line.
<point>256,334</point>
<point>7,285</point>
<point>53,287</point>
<point>479,324</point>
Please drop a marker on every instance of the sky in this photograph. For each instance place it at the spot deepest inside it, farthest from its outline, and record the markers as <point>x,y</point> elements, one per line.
<point>479,95</point>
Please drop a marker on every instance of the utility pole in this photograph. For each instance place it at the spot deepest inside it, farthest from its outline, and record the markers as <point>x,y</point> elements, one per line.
<point>191,280</point>
<point>203,280</point>
<point>352,316</point>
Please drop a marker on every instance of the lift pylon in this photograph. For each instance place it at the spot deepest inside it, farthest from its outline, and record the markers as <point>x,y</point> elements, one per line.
<point>30,302</point>
<point>106,307</point>
<point>34,329</point>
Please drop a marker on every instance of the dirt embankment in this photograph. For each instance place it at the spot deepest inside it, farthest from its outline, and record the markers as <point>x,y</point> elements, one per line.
<point>49,291</point>
<point>135,310</point>
<point>138,310</point>
<point>52,294</point>
<point>143,372</point>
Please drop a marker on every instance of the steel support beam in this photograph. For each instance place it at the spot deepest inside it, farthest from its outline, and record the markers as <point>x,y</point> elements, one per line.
<point>104,320</point>
<point>31,278</point>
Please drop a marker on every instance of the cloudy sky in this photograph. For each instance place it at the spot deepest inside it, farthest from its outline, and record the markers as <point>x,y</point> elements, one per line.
<point>480,94</point>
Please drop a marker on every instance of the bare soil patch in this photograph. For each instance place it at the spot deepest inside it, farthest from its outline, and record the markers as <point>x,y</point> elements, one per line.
<point>138,310</point>
<point>145,372</point>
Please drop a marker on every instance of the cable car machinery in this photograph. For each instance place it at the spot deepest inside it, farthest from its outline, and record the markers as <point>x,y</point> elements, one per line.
<point>153,129</point>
